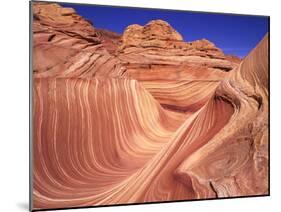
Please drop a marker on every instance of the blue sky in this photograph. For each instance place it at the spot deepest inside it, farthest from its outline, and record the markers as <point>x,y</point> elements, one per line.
<point>234,34</point>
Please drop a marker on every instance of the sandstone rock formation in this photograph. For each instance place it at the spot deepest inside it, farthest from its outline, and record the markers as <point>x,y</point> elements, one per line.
<point>66,45</point>
<point>144,117</point>
<point>110,40</point>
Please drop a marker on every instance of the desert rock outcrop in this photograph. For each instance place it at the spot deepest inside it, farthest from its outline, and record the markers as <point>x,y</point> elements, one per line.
<point>143,117</point>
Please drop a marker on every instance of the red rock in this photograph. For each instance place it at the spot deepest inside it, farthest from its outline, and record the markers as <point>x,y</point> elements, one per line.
<point>155,33</point>
<point>233,58</point>
<point>66,45</point>
<point>144,117</point>
<point>110,40</point>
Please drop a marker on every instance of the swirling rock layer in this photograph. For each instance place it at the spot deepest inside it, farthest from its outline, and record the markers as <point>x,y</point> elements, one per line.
<point>144,117</point>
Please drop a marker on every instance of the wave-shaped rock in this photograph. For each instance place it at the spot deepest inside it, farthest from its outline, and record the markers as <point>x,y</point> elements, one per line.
<point>145,117</point>
<point>234,162</point>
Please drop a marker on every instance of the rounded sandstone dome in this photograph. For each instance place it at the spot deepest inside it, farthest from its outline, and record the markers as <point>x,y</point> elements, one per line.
<point>162,30</point>
<point>155,30</point>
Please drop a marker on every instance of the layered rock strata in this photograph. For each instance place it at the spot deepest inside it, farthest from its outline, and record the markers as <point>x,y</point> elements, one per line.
<point>143,117</point>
